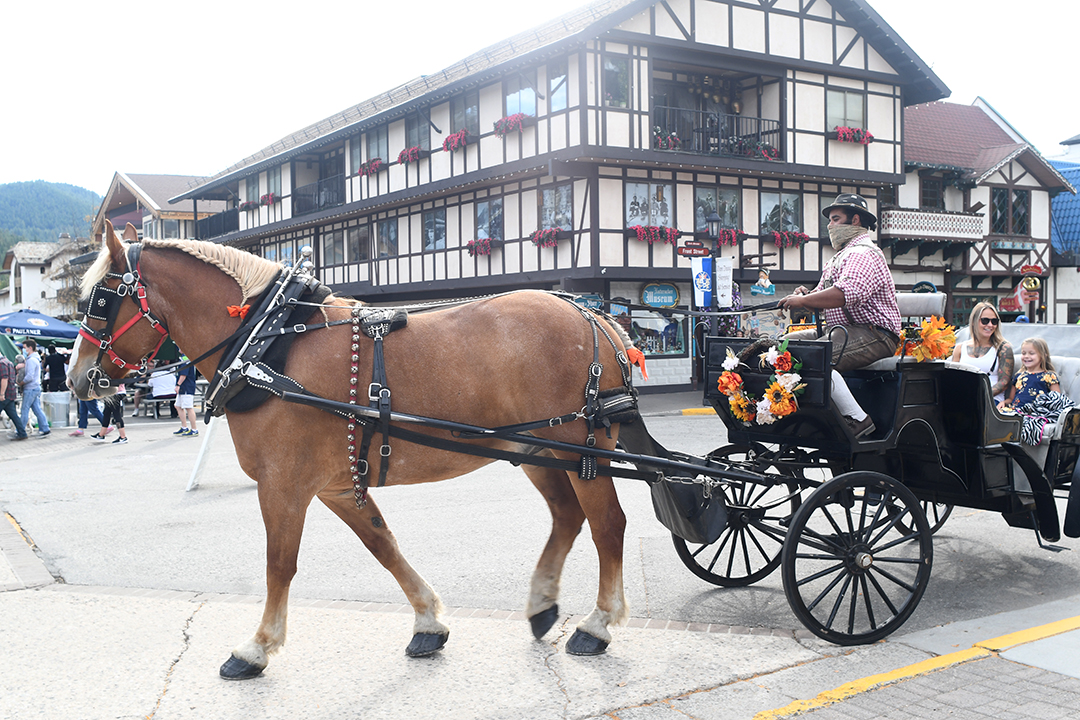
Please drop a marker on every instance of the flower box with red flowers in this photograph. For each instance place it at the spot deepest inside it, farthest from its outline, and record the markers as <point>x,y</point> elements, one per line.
<point>371,167</point>
<point>665,141</point>
<point>654,234</point>
<point>482,246</point>
<point>458,140</point>
<point>268,199</point>
<point>788,238</point>
<point>249,205</point>
<point>548,237</point>
<point>511,123</point>
<point>727,237</point>
<point>413,154</point>
<point>851,135</point>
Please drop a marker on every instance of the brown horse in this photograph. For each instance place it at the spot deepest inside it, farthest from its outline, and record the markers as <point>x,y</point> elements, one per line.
<point>500,361</point>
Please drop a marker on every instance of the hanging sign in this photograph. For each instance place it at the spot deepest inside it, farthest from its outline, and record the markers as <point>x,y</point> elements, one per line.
<point>723,268</point>
<point>660,295</point>
<point>592,301</point>
<point>701,277</point>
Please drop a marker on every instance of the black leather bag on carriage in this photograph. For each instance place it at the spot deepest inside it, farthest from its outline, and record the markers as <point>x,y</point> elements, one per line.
<point>685,511</point>
<point>680,506</point>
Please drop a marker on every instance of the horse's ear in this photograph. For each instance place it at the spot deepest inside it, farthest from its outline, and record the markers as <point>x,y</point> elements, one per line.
<point>116,250</point>
<point>131,235</point>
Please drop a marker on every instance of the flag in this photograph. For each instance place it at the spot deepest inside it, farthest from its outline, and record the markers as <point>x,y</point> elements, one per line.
<point>701,269</point>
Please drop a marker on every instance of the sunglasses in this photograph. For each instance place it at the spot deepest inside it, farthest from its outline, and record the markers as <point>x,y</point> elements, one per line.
<point>989,321</point>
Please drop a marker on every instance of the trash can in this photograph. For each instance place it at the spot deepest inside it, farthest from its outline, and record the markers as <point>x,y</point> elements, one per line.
<point>57,407</point>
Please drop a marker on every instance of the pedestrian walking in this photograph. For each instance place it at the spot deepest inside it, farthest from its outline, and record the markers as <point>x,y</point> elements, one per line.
<point>86,409</point>
<point>31,387</point>
<point>8,393</point>
<point>114,417</point>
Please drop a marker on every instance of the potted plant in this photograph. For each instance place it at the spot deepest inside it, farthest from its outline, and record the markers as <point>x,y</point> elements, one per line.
<point>249,205</point>
<point>371,167</point>
<point>654,233</point>
<point>268,199</point>
<point>548,237</point>
<point>480,246</point>
<point>852,135</point>
<point>789,238</point>
<point>410,155</point>
<point>510,123</point>
<point>455,141</point>
<point>668,141</point>
<point>730,237</point>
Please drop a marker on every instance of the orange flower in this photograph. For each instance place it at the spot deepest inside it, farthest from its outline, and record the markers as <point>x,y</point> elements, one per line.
<point>783,362</point>
<point>729,382</point>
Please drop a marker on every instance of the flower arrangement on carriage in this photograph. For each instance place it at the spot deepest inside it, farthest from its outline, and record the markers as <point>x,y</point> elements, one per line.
<point>932,339</point>
<point>780,398</point>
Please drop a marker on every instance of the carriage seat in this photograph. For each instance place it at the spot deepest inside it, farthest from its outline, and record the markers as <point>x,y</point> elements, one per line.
<point>911,305</point>
<point>1068,370</point>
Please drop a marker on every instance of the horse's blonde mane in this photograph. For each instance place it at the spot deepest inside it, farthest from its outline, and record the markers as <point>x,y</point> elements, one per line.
<point>252,273</point>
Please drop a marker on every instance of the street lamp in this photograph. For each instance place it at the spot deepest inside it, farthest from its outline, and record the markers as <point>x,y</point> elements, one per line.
<point>713,224</point>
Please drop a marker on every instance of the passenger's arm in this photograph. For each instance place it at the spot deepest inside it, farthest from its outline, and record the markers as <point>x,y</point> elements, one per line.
<point>1005,368</point>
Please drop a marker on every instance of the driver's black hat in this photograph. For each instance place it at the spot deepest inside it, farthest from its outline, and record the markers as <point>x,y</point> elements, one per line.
<point>852,202</point>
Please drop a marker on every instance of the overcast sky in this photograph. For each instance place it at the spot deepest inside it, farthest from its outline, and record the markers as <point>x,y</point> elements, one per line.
<point>190,88</point>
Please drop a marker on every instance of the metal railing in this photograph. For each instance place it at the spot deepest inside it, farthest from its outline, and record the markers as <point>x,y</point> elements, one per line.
<point>220,224</point>
<point>710,133</point>
<point>328,192</point>
<point>927,224</point>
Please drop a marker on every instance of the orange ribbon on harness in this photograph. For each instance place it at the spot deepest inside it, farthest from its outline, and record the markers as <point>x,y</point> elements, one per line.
<point>637,358</point>
<point>238,310</point>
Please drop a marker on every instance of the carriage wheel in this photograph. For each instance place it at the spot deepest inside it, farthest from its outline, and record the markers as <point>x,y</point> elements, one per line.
<point>936,515</point>
<point>852,574</point>
<point>749,548</point>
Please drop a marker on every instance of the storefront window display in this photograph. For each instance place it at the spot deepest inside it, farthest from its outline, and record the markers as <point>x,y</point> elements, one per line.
<point>655,332</point>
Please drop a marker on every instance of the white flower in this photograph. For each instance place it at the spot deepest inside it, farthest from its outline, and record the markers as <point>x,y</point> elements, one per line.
<point>732,361</point>
<point>764,416</point>
<point>788,381</point>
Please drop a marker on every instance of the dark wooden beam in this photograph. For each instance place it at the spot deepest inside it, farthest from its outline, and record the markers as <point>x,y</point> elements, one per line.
<point>904,246</point>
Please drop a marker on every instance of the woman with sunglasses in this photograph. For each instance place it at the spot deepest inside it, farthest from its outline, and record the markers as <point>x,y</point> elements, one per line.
<point>988,350</point>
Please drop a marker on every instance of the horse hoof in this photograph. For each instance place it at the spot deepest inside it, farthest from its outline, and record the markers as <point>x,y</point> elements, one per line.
<point>237,669</point>
<point>542,621</point>
<point>582,643</point>
<point>426,644</point>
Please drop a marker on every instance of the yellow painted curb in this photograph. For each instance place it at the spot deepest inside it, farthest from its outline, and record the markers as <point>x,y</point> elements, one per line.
<point>982,649</point>
<point>698,411</point>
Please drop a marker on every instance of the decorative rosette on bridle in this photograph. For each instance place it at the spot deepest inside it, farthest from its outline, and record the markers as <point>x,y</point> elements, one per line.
<point>780,398</point>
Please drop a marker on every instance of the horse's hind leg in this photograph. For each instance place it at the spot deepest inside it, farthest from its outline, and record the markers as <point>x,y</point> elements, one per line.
<point>566,519</point>
<point>429,633</point>
<point>283,517</point>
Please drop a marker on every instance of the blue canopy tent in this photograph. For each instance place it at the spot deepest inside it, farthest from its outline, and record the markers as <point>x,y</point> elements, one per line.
<point>37,325</point>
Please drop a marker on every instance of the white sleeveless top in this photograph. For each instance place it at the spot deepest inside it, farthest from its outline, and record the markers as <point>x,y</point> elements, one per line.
<point>983,363</point>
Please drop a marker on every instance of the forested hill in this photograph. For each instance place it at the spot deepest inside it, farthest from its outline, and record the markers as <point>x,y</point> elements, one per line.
<point>40,210</point>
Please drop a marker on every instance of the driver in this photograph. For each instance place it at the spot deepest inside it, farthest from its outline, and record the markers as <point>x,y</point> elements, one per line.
<point>857,293</point>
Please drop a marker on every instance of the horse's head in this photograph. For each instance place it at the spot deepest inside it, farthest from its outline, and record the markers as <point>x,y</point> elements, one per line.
<point>119,334</point>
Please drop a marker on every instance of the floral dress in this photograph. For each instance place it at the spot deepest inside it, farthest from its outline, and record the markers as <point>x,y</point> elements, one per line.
<point>1038,405</point>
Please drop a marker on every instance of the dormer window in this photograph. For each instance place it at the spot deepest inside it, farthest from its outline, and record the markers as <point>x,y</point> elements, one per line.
<point>1010,211</point>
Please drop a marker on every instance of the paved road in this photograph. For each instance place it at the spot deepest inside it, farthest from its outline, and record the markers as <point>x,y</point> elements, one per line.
<point>158,584</point>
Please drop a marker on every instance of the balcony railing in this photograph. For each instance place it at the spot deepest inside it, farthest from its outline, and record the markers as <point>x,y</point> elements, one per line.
<point>710,133</point>
<point>930,225</point>
<point>319,195</point>
<point>220,224</point>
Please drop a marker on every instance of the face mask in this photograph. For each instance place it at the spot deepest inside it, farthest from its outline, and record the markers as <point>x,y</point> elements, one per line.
<point>841,235</point>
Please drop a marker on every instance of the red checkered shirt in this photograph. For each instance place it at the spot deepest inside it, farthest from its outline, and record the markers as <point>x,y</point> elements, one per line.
<point>7,372</point>
<point>861,273</point>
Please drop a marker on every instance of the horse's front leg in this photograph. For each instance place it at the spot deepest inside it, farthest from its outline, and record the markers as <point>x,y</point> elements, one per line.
<point>607,523</point>
<point>566,520</point>
<point>429,633</point>
<point>283,519</point>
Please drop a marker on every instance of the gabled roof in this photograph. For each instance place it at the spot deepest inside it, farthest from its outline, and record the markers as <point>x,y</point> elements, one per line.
<point>972,139</point>
<point>153,192</point>
<point>1074,140</point>
<point>585,23</point>
<point>29,253</point>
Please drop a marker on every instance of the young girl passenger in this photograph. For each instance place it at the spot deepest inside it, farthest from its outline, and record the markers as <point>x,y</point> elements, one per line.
<point>1036,392</point>
<point>1036,376</point>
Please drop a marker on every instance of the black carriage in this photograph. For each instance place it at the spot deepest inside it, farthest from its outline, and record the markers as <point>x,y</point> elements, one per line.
<point>850,521</point>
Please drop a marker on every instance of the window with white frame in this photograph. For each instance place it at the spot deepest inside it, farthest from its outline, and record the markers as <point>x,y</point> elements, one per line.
<point>520,93</point>
<point>434,222</point>
<point>333,247</point>
<point>358,244</point>
<point>845,108</point>
<point>386,232</point>
<point>649,204</point>
<point>465,112</point>
<point>781,212</point>
<point>722,201</point>
<point>489,219</point>
<point>557,92</point>
<point>557,207</point>
<point>617,81</point>
<point>378,144</point>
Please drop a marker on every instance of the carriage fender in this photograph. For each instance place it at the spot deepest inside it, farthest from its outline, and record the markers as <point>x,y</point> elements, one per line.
<point>1045,507</point>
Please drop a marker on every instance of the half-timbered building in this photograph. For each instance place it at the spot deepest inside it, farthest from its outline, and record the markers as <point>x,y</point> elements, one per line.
<point>973,214</point>
<point>570,156</point>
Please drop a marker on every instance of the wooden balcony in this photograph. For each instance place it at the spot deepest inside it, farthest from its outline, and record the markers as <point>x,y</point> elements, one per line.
<point>922,224</point>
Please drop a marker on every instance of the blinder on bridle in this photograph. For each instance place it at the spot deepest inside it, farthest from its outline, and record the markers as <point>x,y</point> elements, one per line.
<point>104,305</point>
